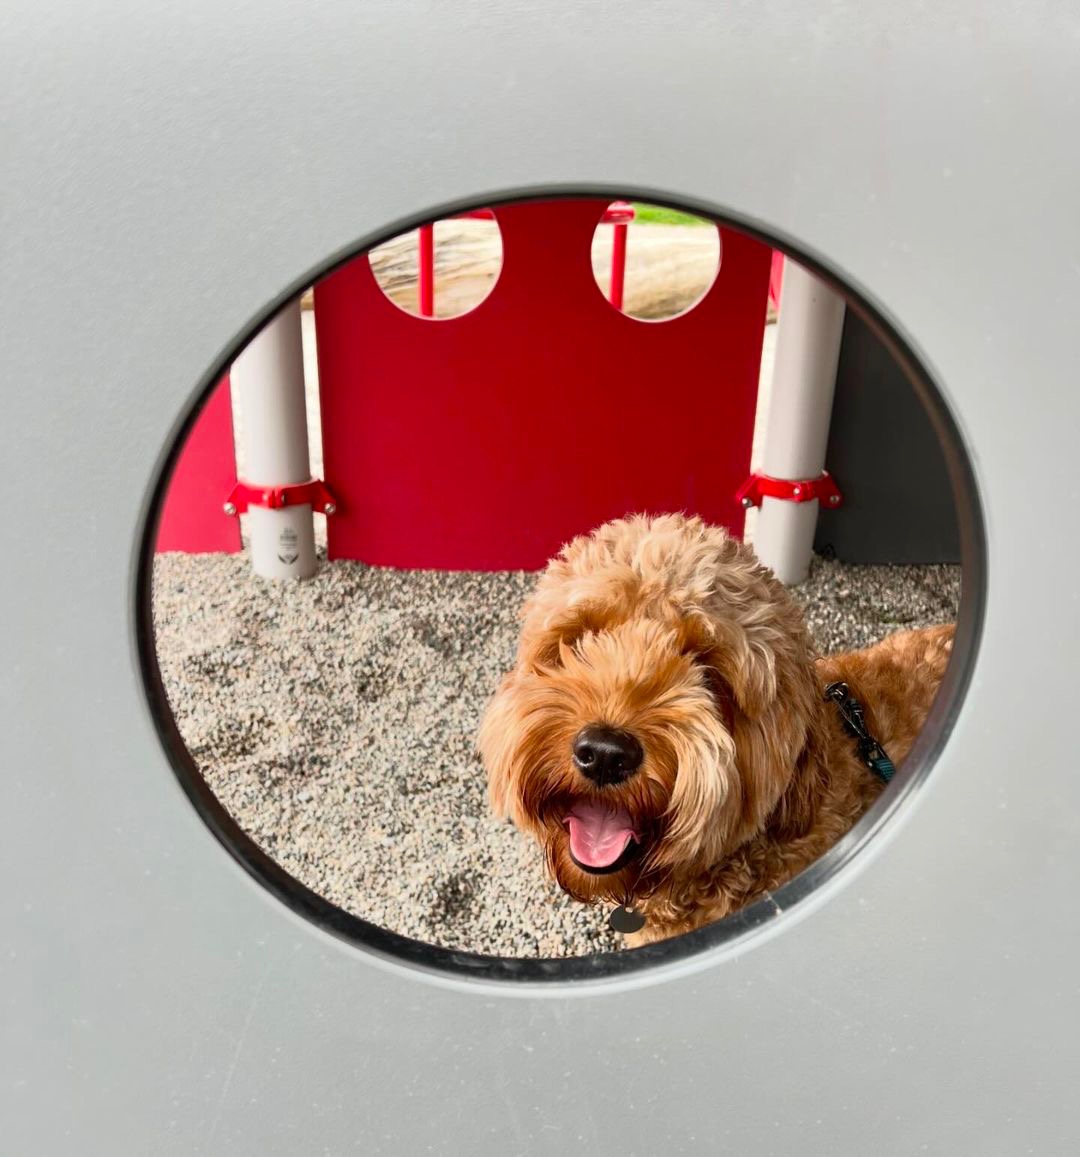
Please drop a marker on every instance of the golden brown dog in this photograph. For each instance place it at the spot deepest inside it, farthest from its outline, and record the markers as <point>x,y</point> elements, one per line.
<point>665,735</point>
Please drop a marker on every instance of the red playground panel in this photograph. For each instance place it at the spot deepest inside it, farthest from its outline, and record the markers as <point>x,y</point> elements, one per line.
<point>205,472</point>
<point>486,441</point>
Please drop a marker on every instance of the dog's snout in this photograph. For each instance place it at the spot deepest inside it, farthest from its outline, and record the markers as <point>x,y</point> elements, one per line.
<point>606,755</point>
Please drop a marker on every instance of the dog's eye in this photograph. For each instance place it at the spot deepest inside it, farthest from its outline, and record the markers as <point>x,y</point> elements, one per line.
<point>551,654</point>
<point>548,656</point>
<point>567,646</point>
<point>556,652</point>
<point>696,639</point>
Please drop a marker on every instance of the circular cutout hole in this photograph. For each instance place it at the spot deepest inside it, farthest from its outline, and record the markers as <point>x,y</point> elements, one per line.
<point>654,263</point>
<point>443,269</point>
<point>326,728</point>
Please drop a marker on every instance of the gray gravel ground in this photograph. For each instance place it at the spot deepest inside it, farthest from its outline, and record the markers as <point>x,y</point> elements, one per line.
<point>335,720</point>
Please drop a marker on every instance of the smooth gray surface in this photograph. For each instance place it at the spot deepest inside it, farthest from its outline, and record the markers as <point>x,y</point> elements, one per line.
<point>168,173</point>
<point>885,455</point>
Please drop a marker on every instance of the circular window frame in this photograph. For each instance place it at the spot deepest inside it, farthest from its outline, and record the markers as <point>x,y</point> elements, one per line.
<point>666,319</point>
<point>653,963</point>
<point>475,213</point>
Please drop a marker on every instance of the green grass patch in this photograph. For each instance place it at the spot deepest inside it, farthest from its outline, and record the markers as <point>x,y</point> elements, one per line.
<point>658,215</point>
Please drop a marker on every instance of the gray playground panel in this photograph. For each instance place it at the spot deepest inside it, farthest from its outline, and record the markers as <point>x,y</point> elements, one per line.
<point>172,175</point>
<point>886,457</point>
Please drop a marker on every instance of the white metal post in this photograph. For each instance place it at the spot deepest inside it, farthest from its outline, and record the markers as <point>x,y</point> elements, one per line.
<point>809,328</point>
<point>269,379</point>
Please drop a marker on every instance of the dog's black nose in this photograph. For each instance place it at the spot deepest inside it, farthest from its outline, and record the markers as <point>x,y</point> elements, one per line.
<point>606,755</point>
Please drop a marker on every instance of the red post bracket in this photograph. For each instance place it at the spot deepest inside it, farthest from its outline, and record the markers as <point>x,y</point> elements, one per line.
<point>759,486</point>
<point>313,493</point>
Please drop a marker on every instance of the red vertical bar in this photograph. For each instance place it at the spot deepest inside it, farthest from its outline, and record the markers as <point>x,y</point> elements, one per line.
<point>425,284</point>
<point>618,265</point>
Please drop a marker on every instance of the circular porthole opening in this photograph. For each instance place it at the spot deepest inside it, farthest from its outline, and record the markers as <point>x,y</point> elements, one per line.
<point>442,269</point>
<point>360,508</point>
<point>653,263</point>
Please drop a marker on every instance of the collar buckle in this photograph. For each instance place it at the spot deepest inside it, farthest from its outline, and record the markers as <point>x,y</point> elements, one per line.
<point>850,709</point>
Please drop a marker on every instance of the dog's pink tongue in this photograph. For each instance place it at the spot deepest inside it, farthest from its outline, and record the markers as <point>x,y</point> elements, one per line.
<point>598,833</point>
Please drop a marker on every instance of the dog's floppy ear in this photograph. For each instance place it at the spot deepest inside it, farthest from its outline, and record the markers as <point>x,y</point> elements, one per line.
<point>747,625</point>
<point>746,667</point>
<point>740,666</point>
<point>765,701</point>
<point>751,638</point>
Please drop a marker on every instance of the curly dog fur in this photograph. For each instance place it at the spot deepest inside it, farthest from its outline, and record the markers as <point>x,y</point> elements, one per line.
<point>670,631</point>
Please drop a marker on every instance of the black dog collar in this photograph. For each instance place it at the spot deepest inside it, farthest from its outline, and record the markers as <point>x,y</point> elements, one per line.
<point>851,712</point>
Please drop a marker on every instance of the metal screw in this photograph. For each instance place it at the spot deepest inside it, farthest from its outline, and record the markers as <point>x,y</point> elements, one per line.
<point>330,508</point>
<point>796,490</point>
<point>229,509</point>
<point>747,502</point>
<point>834,499</point>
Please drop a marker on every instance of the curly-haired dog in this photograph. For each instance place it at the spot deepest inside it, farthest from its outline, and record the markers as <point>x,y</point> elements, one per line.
<point>665,735</point>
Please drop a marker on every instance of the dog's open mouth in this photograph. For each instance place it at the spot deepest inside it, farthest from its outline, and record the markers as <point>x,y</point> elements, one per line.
<point>603,837</point>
